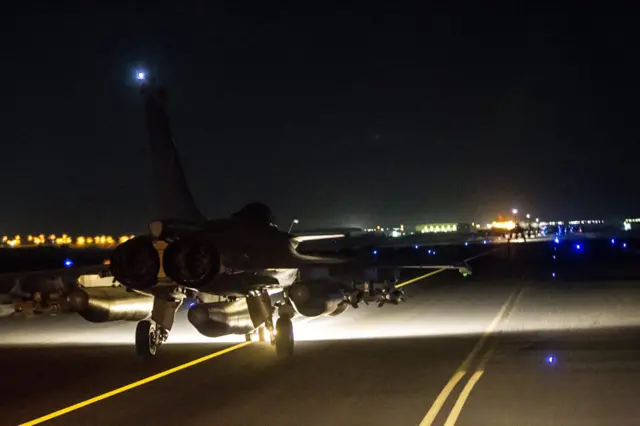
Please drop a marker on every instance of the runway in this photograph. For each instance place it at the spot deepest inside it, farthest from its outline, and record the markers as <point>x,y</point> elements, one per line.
<point>507,346</point>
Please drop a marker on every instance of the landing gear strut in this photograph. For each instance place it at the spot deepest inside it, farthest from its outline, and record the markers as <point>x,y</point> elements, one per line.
<point>149,337</point>
<point>152,333</point>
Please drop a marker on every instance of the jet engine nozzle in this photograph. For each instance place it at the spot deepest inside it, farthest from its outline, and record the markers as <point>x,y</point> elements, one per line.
<point>136,263</point>
<point>192,262</point>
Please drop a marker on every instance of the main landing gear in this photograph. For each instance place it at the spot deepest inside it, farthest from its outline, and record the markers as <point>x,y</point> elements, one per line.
<point>280,335</point>
<point>149,338</point>
<point>284,336</point>
<point>152,333</point>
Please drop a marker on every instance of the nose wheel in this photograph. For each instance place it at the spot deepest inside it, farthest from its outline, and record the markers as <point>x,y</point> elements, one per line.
<point>284,336</point>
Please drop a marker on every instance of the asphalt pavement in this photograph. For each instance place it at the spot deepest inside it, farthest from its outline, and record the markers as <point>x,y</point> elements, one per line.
<point>510,345</point>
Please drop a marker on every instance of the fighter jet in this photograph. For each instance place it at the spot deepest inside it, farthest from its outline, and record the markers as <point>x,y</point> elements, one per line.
<point>229,266</point>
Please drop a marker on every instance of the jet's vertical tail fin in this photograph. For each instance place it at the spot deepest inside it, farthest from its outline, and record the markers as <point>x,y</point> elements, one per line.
<point>173,199</point>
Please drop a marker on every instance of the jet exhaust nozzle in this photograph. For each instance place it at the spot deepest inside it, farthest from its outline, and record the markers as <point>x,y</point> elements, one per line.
<point>136,263</point>
<point>192,262</point>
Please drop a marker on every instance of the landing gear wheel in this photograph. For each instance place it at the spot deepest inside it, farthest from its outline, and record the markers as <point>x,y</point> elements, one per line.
<point>284,336</point>
<point>147,341</point>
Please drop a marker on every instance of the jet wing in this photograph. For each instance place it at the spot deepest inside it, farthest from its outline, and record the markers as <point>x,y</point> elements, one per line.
<point>303,238</point>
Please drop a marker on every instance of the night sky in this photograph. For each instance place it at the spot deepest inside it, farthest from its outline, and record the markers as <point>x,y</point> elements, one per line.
<point>339,116</point>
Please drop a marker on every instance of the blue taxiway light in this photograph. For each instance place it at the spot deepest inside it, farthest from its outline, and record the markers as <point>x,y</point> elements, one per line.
<point>550,359</point>
<point>68,263</point>
<point>434,252</point>
<point>578,247</point>
<point>466,243</point>
<point>416,247</point>
<point>613,241</point>
<point>484,242</point>
<point>553,274</point>
<point>375,252</point>
<point>624,245</point>
<point>141,75</point>
<point>192,304</point>
<point>554,257</point>
<point>556,240</point>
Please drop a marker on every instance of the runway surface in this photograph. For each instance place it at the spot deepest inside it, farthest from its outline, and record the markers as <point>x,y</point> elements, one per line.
<point>508,346</point>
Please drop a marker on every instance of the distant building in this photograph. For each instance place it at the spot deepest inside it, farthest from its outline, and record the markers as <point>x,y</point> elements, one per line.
<point>443,227</point>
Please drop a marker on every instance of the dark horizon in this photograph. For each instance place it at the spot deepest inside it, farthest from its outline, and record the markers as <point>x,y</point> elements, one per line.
<point>372,116</point>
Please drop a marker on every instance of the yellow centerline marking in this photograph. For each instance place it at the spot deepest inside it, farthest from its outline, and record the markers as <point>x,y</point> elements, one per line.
<point>475,378</point>
<point>189,364</point>
<point>132,385</point>
<point>462,370</point>
<point>421,277</point>
<point>466,391</point>
<point>437,271</point>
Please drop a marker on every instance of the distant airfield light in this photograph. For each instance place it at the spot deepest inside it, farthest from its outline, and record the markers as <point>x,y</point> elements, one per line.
<point>553,274</point>
<point>514,211</point>
<point>624,245</point>
<point>528,216</point>
<point>375,252</point>
<point>68,263</point>
<point>434,252</point>
<point>429,251</point>
<point>416,247</point>
<point>141,75</point>
<point>578,247</point>
<point>554,257</point>
<point>556,240</point>
<point>550,359</point>
<point>537,219</point>
<point>466,243</point>
<point>613,241</point>
<point>484,242</point>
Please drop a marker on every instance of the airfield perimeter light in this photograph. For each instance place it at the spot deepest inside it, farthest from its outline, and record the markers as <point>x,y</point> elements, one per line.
<point>514,211</point>
<point>141,75</point>
<point>528,216</point>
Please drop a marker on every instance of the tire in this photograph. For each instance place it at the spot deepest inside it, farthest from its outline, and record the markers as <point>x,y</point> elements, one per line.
<point>284,337</point>
<point>145,339</point>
